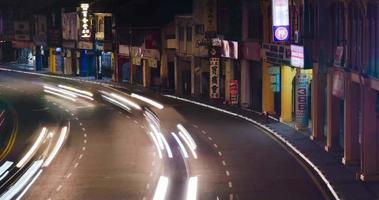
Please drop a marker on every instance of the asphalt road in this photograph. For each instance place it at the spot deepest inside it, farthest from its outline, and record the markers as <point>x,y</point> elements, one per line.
<point>119,146</point>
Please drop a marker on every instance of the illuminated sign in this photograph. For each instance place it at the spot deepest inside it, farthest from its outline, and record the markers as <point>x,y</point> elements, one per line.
<point>85,32</point>
<point>280,20</point>
<point>297,56</point>
<point>302,92</point>
<point>229,49</point>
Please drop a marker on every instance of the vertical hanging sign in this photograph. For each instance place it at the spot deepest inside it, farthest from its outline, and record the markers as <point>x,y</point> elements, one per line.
<point>85,24</point>
<point>280,23</point>
<point>214,78</point>
<point>302,92</point>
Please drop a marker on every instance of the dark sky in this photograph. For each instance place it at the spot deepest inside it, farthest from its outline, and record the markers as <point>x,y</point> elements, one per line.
<point>134,12</point>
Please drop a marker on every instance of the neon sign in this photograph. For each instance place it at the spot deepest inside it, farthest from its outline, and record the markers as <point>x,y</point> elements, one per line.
<point>85,32</point>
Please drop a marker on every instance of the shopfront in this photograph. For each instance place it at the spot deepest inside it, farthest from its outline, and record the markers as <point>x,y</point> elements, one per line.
<point>25,53</point>
<point>87,59</point>
<point>287,85</point>
<point>104,60</point>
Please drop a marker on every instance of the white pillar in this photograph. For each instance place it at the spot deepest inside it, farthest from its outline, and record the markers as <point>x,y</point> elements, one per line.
<point>193,75</point>
<point>176,73</point>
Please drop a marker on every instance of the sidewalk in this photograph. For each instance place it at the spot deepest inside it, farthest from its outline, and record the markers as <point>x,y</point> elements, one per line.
<point>327,166</point>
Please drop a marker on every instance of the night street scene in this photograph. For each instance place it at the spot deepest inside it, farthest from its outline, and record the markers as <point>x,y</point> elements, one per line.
<point>189,99</point>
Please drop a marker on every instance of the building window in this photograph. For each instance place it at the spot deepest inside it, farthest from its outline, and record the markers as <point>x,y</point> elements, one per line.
<point>181,34</point>
<point>356,38</point>
<point>373,62</point>
<point>199,29</point>
<point>189,34</point>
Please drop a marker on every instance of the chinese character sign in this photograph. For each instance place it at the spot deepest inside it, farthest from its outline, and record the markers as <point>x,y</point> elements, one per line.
<point>214,73</point>
<point>302,92</point>
<point>280,23</point>
<point>85,23</point>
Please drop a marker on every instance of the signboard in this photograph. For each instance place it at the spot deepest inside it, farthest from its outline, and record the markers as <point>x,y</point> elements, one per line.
<point>84,21</point>
<point>234,92</point>
<point>69,29</point>
<point>274,72</point>
<point>338,56</point>
<point>338,84</point>
<point>229,49</point>
<point>280,20</point>
<point>21,30</point>
<point>276,54</point>
<point>302,92</point>
<point>214,73</point>
<point>297,56</point>
<point>85,45</point>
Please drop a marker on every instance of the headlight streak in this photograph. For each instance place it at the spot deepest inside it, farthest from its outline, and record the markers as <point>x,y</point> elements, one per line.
<point>151,118</point>
<point>80,93</point>
<point>125,100</point>
<point>147,100</point>
<point>161,190</point>
<point>33,149</point>
<point>29,185</point>
<point>4,175</point>
<point>156,143</point>
<point>57,147</point>
<point>188,144</point>
<point>187,135</point>
<point>60,95</point>
<point>168,149</point>
<point>23,181</point>
<point>159,139</point>
<point>192,188</point>
<point>86,93</point>
<point>4,168</point>
<point>116,103</point>
<point>182,148</point>
<point>65,92</point>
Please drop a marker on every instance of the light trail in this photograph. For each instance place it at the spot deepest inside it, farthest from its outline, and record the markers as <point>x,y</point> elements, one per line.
<point>161,190</point>
<point>188,144</point>
<point>182,148</point>
<point>192,188</point>
<point>33,149</point>
<point>149,101</point>
<point>125,100</point>
<point>187,135</point>
<point>57,146</point>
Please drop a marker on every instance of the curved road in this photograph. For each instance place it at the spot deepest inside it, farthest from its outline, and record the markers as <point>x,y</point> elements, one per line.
<point>119,146</point>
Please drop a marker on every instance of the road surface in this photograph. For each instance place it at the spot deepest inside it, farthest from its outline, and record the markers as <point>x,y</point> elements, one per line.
<point>70,140</point>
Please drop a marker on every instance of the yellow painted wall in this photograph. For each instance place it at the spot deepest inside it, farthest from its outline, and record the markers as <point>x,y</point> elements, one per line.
<point>267,94</point>
<point>287,77</point>
<point>52,67</point>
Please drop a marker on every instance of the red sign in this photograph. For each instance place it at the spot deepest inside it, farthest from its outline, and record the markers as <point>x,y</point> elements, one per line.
<point>234,92</point>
